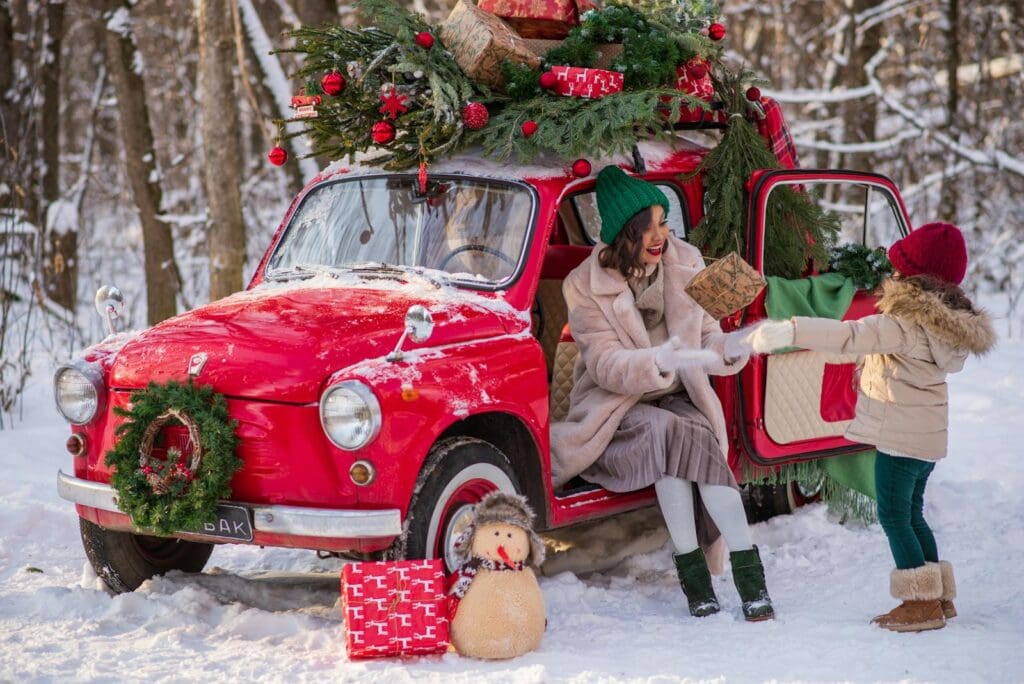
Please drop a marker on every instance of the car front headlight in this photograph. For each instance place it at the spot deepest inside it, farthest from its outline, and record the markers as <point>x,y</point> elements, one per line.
<point>350,414</point>
<point>78,389</point>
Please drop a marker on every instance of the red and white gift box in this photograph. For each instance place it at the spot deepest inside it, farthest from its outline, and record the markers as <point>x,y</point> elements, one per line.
<point>394,609</point>
<point>588,83</point>
<point>538,18</point>
<point>694,78</point>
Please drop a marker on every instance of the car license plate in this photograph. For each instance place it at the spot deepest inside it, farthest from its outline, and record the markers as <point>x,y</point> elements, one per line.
<point>232,522</point>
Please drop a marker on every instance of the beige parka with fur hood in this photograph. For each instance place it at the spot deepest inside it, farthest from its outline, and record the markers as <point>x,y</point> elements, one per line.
<point>908,348</point>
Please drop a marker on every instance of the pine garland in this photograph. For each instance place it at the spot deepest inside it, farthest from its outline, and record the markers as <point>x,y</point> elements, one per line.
<point>572,127</point>
<point>374,60</point>
<point>797,229</point>
<point>189,499</point>
<point>865,266</point>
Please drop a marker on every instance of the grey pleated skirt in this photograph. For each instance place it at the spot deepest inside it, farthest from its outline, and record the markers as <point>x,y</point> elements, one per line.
<point>668,436</point>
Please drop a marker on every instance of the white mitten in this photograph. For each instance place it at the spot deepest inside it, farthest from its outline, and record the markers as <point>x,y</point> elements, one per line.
<point>670,358</point>
<point>772,335</point>
<point>737,346</point>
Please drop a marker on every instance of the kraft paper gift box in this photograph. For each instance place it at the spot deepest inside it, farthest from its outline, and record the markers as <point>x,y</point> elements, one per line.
<point>480,42</point>
<point>726,286</point>
<point>394,609</point>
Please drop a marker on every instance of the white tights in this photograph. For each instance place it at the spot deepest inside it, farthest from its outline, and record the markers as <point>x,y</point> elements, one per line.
<point>675,497</point>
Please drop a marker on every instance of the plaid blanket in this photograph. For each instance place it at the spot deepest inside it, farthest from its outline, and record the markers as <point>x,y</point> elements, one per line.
<point>773,128</point>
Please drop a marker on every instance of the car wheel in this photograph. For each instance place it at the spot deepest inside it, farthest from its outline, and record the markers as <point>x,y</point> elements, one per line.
<point>764,501</point>
<point>125,560</point>
<point>458,474</point>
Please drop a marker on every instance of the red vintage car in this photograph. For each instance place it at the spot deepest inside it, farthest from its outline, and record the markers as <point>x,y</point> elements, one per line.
<point>402,350</point>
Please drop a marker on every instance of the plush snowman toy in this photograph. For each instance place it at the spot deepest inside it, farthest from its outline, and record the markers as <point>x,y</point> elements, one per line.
<point>497,609</point>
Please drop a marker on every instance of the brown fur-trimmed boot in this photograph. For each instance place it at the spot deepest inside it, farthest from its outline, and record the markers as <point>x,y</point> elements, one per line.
<point>948,589</point>
<point>919,589</point>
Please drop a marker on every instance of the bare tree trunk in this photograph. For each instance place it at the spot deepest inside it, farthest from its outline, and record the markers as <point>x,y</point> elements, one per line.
<point>226,235</point>
<point>860,117</point>
<point>949,195</point>
<point>60,241</point>
<point>162,279</point>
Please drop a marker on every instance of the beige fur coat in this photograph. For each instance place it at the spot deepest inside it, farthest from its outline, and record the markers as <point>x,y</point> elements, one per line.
<point>616,367</point>
<point>908,348</point>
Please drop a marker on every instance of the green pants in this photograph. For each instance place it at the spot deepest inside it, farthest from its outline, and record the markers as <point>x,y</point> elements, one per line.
<point>899,484</point>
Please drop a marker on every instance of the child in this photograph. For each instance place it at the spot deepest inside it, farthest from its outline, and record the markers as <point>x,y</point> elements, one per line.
<point>925,329</point>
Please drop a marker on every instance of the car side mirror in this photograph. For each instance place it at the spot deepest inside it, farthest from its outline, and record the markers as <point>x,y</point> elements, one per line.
<point>110,305</point>
<point>419,326</point>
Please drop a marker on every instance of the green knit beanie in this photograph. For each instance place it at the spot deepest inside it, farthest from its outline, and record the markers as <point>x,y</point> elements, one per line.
<point>620,197</point>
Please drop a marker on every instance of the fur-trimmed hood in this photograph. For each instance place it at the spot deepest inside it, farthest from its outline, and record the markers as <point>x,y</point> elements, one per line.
<point>960,330</point>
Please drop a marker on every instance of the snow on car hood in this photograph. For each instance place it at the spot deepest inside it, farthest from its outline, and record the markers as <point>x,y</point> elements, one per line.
<point>280,342</point>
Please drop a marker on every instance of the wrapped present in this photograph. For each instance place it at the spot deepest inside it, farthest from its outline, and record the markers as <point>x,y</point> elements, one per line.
<point>589,83</point>
<point>538,18</point>
<point>726,286</point>
<point>694,78</point>
<point>394,609</point>
<point>305,106</point>
<point>480,42</point>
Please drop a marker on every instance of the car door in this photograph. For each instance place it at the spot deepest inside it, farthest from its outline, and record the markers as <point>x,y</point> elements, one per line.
<point>795,406</point>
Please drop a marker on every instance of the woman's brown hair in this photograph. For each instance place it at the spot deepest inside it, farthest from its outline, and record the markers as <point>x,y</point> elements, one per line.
<point>951,296</point>
<point>623,254</point>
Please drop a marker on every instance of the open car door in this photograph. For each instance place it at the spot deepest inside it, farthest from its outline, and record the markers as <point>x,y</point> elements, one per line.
<point>795,406</point>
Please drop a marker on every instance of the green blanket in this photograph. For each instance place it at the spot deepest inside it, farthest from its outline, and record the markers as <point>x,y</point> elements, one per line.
<point>824,296</point>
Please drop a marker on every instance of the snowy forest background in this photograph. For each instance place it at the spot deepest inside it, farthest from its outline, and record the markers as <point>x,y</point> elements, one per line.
<point>134,134</point>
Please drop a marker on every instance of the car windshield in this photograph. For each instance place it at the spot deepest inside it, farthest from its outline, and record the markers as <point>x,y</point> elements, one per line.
<point>470,230</point>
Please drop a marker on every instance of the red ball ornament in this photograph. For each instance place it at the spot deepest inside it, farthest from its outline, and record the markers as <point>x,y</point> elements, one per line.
<point>278,156</point>
<point>754,94</point>
<point>425,40</point>
<point>696,68</point>
<point>475,115</point>
<point>716,31</point>
<point>333,83</point>
<point>548,80</point>
<point>529,127</point>
<point>581,168</point>
<point>383,132</point>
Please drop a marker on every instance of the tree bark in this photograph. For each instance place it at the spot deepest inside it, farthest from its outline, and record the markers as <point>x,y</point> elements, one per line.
<point>860,117</point>
<point>219,104</point>
<point>949,207</point>
<point>60,245</point>
<point>162,278</point>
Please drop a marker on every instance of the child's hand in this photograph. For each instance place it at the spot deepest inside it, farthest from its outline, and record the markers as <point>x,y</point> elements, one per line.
<point>772,335</point>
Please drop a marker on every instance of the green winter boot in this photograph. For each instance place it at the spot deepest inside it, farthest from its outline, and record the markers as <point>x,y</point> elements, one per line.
<point>695,580</point>
<point>748,575</point>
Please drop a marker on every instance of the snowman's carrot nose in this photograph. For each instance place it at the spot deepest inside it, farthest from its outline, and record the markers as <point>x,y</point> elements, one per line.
<point>504,554</point>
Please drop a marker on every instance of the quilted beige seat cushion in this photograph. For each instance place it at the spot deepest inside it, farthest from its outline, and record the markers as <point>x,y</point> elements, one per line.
<point>792,410</point>
<point>561,379</point>
<point>552,306</point>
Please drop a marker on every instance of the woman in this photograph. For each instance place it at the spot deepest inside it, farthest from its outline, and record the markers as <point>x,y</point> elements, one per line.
<point>642,410</point>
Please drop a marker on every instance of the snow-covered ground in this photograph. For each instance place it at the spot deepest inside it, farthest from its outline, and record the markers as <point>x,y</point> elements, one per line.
<point>271,615</point>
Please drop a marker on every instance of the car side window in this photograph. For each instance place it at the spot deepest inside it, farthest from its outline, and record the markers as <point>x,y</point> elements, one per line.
<point>585,205</point>
<point>868,214</point>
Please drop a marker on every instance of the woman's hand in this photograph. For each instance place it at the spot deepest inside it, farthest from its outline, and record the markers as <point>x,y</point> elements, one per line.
<point>672,358</point>
<point>772,335</point>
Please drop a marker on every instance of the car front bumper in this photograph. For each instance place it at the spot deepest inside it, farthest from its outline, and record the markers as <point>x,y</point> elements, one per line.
<point>327,523</point>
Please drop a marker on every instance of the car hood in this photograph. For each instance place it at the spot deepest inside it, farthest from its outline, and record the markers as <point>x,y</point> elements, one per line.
<point>281,343</point>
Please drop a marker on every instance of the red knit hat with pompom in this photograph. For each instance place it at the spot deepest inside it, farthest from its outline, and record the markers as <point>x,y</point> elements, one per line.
<point>935,249</point>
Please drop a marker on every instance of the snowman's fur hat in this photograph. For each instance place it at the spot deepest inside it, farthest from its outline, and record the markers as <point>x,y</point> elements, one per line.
<point>505,509</point>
